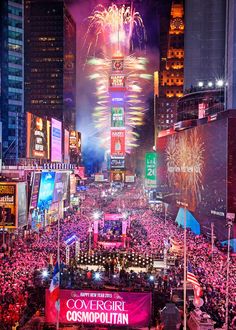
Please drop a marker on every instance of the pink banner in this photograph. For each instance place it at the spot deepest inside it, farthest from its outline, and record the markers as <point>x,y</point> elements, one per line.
<point>112,216</point>
<point>101,307</point>
<point>111,245</point>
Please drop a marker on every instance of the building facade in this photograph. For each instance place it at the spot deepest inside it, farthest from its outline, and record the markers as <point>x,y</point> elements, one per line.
<point>204,60</point>
<point>50,65</point>
<point>171,78</point>
<point>12,112</point>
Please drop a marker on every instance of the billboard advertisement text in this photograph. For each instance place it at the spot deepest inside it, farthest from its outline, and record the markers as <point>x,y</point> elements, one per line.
<point>8,205</point>
<point>117,142</point>
<point>66,146</point>
<point>37,137</point>
<point>61,186</point>
<point>122,309</point>
<point>150,169</point>
<point>117,117</point>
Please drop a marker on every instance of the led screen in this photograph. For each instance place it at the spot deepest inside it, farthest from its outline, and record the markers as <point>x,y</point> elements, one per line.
<point>37,137</point>
<point>56,140</point>
<point>192,168</point>
<point>46,189</point>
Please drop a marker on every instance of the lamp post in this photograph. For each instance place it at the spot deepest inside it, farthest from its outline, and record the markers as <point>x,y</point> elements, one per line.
<point>229,222</point>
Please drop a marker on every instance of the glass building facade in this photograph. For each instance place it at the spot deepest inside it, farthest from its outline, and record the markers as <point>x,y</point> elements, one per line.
<point>12,80</point>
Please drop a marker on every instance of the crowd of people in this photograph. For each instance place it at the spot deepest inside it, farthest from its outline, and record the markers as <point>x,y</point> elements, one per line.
<point>149,234</point>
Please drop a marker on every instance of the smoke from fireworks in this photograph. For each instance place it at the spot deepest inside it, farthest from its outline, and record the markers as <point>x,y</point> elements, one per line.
<point>117,31</point>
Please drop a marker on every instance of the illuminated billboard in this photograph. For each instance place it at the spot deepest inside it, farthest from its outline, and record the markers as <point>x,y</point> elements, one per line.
<point>192,168</point>
<point>150,169</point>
<point>117,142</point>
<point>35,190</point>
<point>75,142</point>
<point>117,117</point>
<point>46,190</point>
<point>60,186</point>
<point>8,204</point>
<point>124,309</point>
<point>117,64</point>
<point>117,82</point>
<point>117,176</point>
<point>56,140</point>
<point>38,138</point>
<point>117,163</point>
<point>66,146</point>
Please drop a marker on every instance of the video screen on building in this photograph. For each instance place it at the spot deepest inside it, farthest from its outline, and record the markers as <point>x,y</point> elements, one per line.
<point>117,117</point>
<point>38,141</point>
<point>35,190</point>
<point>56,140</point>
<point>117,142</point>
<point>8,205</point>
<point>46,190</point>
<point>66,146</point>
<point>192,169</point>
<point>61,186</point>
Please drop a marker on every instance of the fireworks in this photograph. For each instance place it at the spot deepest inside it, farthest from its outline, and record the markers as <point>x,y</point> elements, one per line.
<point>184,157</point>
<point>117,31</point>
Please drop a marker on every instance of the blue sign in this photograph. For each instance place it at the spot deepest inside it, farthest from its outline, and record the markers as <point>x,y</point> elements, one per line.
<point>46,190</point>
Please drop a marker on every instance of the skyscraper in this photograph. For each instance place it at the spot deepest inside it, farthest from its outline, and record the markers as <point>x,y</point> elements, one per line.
<point>204,59</point>
<point>50,66</point>
<point>12,79</point>
<point>171,69</point>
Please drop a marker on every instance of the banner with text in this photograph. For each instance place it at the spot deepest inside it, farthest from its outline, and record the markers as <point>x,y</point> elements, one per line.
<point>122,309</point>
<point>150,169</point>
<point>117,142</point>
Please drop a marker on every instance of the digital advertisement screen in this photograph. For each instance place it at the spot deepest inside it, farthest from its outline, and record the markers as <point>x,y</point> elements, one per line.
<point>117,176</point>
<point>75,141</point>
<point>72,184</point>
<point>117,142</point>
<point>117,117</point>
<point>38,141</point>
<point>192,169</point>
<point>8,205</point>
<point>150,169</point>
<point>118,163</point>
<point>124,309</point>
<point>61,186</point>
<point>46,190</point>
<point>35,190</point>
<point>117,82</point>
<point>66,146</point>
<point>117,64</point>
<point>56,140</point>
<point>22,203</point>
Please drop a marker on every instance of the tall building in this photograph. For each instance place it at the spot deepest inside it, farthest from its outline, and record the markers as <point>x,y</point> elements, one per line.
<point>12,112</point>
<point>171,70</point>
<point>231,55</point>
<point>50,61</point>
<point>204,60</point>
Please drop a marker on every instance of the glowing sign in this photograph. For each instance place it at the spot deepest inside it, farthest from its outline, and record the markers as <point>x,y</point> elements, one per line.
<point>117,82</point>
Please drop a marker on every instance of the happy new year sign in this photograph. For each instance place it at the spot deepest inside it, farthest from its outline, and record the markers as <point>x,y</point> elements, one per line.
<point>101,307</point>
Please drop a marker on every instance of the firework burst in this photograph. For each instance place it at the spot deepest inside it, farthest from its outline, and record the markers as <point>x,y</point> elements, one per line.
<point>117,30</point>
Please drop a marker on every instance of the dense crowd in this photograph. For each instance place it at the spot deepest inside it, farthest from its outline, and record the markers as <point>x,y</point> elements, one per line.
<point>149,234</point>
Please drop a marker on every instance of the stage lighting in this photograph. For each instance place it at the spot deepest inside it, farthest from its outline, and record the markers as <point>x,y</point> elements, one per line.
<point>97,276</point>
<point>151,278</point>
<point>96,215</point>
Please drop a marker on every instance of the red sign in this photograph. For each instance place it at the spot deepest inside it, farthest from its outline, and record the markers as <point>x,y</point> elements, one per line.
<point>117,142</point>
<point>122,309</point>
<point>117,82</point>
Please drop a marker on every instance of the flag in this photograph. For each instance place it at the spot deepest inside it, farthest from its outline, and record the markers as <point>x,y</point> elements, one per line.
<point>191,278</point>
<point>54,286</point>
